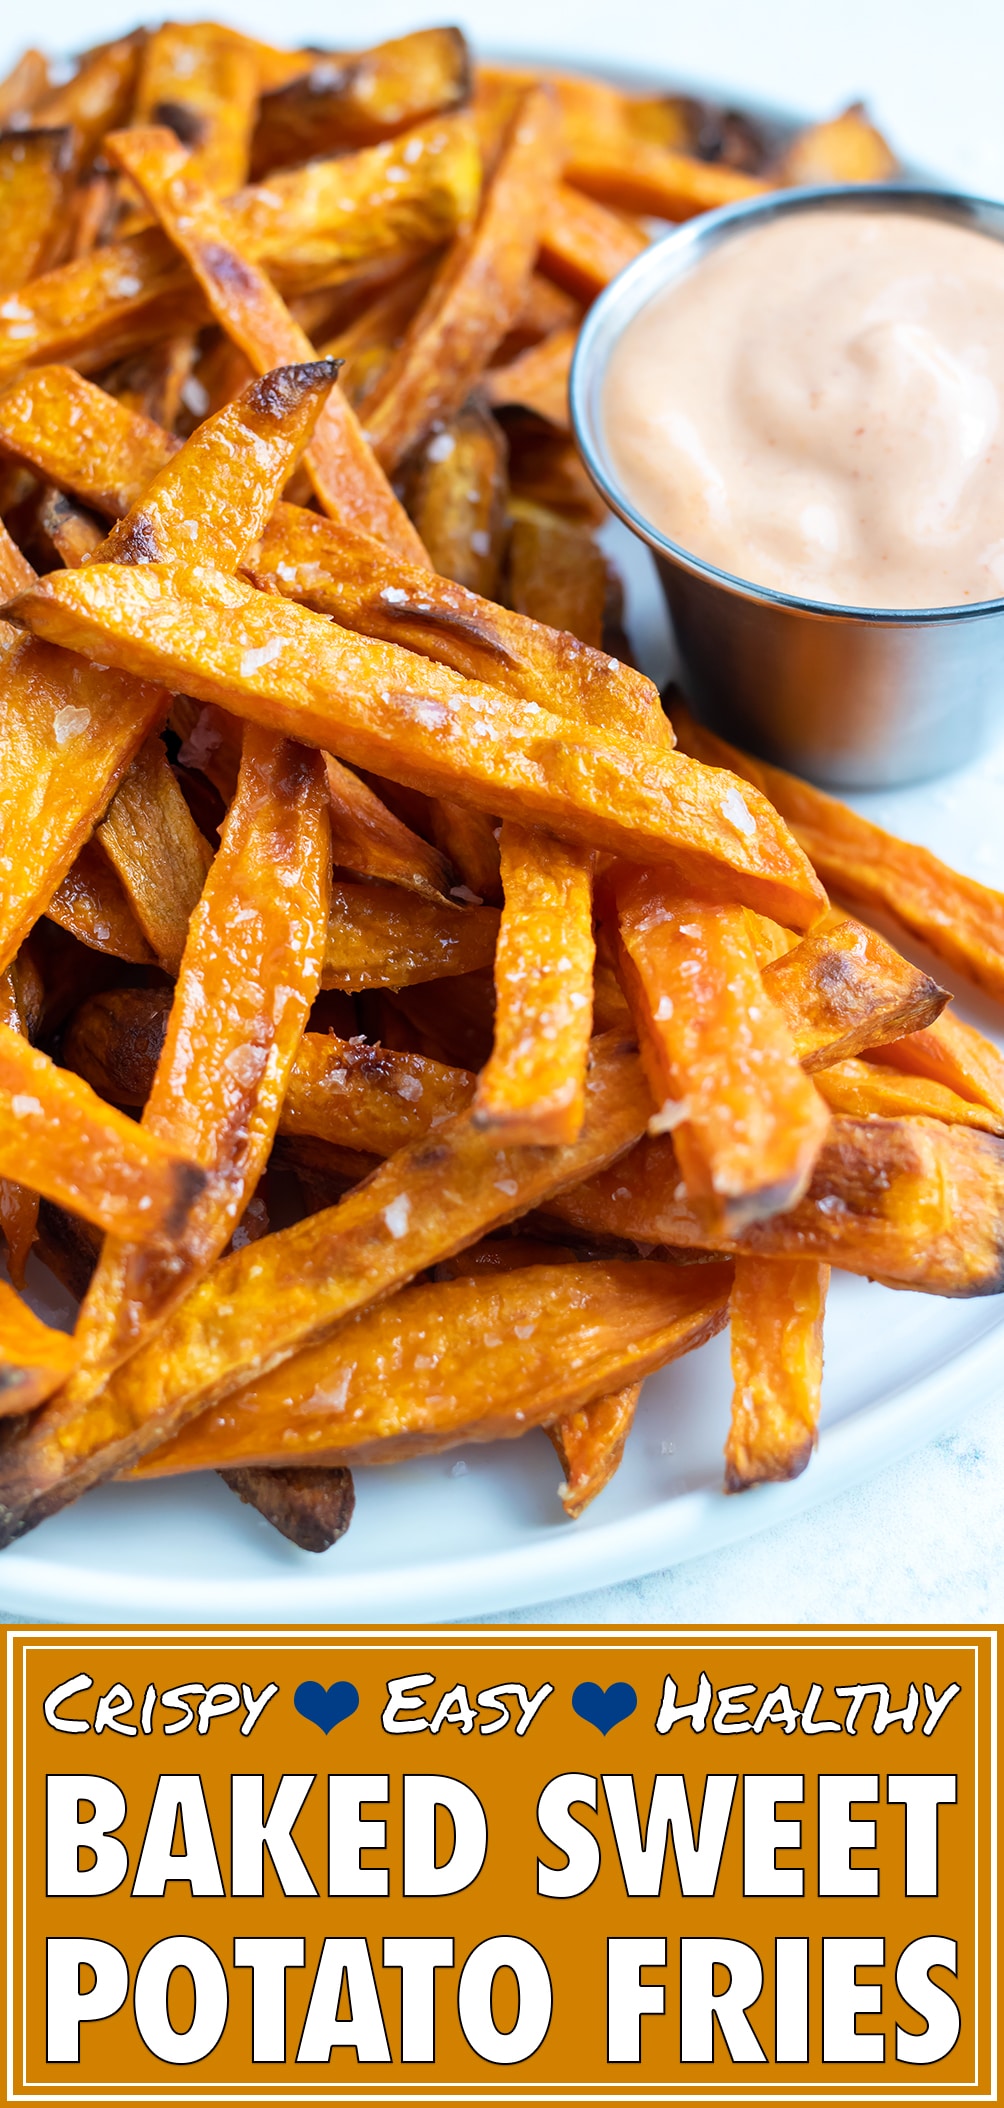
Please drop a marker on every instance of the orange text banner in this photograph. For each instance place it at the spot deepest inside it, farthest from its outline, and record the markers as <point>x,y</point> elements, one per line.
<point>500,1864</point>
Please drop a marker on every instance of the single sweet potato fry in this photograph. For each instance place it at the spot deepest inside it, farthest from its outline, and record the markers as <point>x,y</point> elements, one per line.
<point>310,1504</point>
<point>533,1087</point>
<point>381,708</point>
<point>290,1290</point>
<point>959,919</point>
<point>777,1368</point>
<point>719,1055</point>
<point>58,1137</point>
<point>583,244</point>
<point>34,180</point>
<point>232,1033</point>
<point>345,475</point>
<point>70,534</point>
<point>636,176</point>
<point>366,96</point>
<point>382,937</point>
<point>846,149</point>
<point>589,1444</point>
<point>455,489</point>
<point>843,989</point>
<point>34,1360</point>
<point>868,1090</point>
<point>913,1203</point>
<point>150,838</point>
<point>461,1361</point>
<point>953,1054</point>
<point>92,904</point>
<point>538,378</point>
<point>369,1098</point>
<point>477,293</point>
<point>248,449</point>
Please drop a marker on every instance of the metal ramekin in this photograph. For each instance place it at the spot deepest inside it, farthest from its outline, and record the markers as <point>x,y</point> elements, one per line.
<point>863,697</point>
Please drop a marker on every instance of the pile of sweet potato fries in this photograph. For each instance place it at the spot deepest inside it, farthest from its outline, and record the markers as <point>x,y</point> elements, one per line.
<point>405,1039</point>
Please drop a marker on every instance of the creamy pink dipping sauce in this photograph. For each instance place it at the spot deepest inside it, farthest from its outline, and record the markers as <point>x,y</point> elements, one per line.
<point>817,407</point>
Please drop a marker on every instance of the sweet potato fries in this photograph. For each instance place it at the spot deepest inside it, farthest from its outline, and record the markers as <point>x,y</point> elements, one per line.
<point>406,1039</point>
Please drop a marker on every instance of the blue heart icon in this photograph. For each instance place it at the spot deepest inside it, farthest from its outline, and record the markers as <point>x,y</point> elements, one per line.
<point>325,1708</point>
<point>604,1709</point>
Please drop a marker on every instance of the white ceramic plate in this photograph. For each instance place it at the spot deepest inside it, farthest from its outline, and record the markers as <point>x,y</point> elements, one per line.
<point>482,1529</point>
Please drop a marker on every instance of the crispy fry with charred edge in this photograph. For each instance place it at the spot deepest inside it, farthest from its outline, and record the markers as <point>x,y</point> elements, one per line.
<point>346,477</point>
<point>455,490</point>
<point>477,293</point>
<point>718,1053</point>
<point>70,534</point>
<point>34,1360</point>
<point>843,989</point>
<point>583,244</point>
<point>250,447</point>
<point>290,1290</point>
<point>232,1032</point>
<point>58,1137</point>
<point>73,434</point>
<point>365,97</point>
<point>538,378</point>
<point>382,937</point>
<point>202,81</point>
<point>18,1204</point>
<point>309,1504</point>
<point>381,708</point>
<point>161,858</point>
<point>913,1203</point>
<point>312,226</point>
<point>777,1368</point>
<point>556,574</point>
<point>846,149</point>
<point>533,1087</point>
<point>462,1361</point>
<point>372,842</point>
<point>91,904</point>
<point>870,1091</point>
<point>368,1097</point>
<point>34,172</point>
<point>953,1054</point>
<point>589,1444</point>
<point>958,918</point>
